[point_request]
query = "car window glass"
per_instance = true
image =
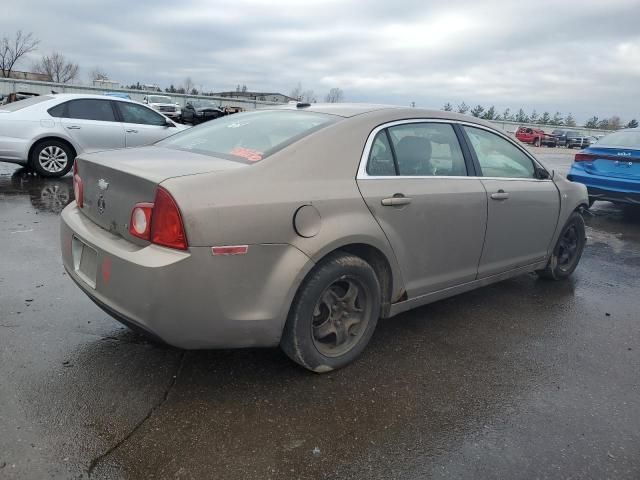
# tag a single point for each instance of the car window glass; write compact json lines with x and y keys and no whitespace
{"x":57,"y":111}
{"x":251,"y":136}
{"x":628,"y":139}
{"x":91,"y":109}
{"x":427,"y":149}
{"x":134,"y":113}
{"x":498,"y":157}
{"x":381,"y":158}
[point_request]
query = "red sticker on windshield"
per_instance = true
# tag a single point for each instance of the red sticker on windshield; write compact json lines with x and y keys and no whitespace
{"x":251,"y":155}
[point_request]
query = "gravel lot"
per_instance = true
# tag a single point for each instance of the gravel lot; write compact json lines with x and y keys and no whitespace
{"x":523,"y":379}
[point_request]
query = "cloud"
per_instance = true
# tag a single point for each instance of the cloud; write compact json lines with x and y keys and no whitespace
{"x":580,"y":57}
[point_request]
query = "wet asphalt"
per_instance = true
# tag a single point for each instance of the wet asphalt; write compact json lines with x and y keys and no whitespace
{"x":523,"y":379}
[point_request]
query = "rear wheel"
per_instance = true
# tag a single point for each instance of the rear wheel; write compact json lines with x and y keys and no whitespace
{"x":51,"y":158}
{"x":333,"y":315}
{"x":568,"y":250}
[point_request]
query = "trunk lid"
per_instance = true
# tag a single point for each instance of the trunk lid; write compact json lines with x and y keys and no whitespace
{"x":114,"y":181}
{"x":614,"y":162}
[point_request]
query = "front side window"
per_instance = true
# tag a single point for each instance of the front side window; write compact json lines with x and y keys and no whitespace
{"x":427,"y":149}
{"x":498,"y":157}
{"x":135,"y":113}
{"x":91,"y":109}
{"x":249,"y":136}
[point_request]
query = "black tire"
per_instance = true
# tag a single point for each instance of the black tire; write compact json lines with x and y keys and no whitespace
{"x":562,"y":264}
{"x":310,"y":317}
{"x":63,"y":153}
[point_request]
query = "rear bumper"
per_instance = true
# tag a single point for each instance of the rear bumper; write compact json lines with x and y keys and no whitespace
{"x":613,"y":189}
{"x":187,"y":299}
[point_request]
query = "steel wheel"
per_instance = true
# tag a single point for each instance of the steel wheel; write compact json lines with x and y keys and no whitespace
{"x":53,"y":159}
{"x":340,"y":317}
{"x":567,"y":248}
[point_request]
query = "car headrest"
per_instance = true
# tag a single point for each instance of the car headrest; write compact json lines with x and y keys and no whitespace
{"x":414,"y":155}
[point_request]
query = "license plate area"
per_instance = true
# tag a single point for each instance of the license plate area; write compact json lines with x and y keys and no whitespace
{"x":85,"y":261}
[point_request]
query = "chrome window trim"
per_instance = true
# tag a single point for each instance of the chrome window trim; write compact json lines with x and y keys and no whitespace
{"x":364,"y":159}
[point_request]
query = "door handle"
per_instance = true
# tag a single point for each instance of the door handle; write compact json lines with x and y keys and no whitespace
{"x":397,"y":200}
{"x":131,"y":131}
{"x":73,"y":127}
{"x":500,"y":195}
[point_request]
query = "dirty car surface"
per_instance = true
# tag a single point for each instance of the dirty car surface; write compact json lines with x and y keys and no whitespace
{"x":300,"y":226}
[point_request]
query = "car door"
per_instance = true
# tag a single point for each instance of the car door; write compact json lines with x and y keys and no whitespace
{"x":414,"y":179}
{"x":142,"y":125}
{"x":523,"y":203}
{"x":92,"y":124}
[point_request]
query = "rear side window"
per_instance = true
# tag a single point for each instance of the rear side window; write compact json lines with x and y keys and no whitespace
{"x":250,"y":136}
{"x":427,"y":149}
{"x":381,"y":157}
{"x":135,"y":113}
{"x":58,"y":110}
{"x":498,"y":157}
{"x":91,"y":109}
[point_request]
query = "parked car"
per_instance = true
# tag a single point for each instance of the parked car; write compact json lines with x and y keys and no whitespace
{"x":199,"y":111}
{"x":560,"y":136}
{"x":530,"y":135}
{"x":45,"y":133}
{"x":577,"y":139}
{"x":276,"y":227}
{"x":164,"y":105}
{"x":611,"y":168}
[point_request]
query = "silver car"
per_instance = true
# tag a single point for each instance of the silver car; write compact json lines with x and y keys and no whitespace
{"x":46,"y":132}
{"x":301,"y":226}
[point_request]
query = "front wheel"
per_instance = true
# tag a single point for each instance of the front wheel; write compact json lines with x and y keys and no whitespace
{"x":51,"y":158}
{"x":333,"y":315}
{"x":568,"y":250}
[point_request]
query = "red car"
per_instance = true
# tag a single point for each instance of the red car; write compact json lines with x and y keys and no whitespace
{"x":535,"y":136}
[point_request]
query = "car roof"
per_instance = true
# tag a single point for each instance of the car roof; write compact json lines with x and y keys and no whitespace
{"x":74,"y":96}
{"x":354,"y":109}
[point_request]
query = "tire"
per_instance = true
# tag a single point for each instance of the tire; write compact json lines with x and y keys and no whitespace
{"x":567,"y":251}
{"x":311,"y":334}
{"x":51,"y":158}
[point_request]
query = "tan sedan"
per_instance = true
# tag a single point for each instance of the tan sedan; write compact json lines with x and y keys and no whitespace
{"x":301,"y":226}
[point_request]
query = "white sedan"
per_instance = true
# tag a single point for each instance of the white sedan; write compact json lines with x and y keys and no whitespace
{"x":47,"y":132}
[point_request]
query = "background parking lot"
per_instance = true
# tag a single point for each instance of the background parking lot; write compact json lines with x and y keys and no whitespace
{"x":521,"y":379}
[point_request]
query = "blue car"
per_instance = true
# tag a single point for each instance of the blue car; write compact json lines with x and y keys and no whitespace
{"x":611,"y":168}
{"x":118,"y":95}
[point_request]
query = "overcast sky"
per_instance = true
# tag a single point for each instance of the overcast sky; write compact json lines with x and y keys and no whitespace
{"x":573,"y":56}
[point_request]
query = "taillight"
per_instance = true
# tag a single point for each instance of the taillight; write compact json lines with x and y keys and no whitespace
{"x":166,"y":222}
{"x":159,"y":222}
{"x":78,"y":190}
{"x":140,"y":223}
{"x":584,"y":157}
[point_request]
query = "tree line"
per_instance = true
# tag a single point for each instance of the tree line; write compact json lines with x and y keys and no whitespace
{"x":545,"y":118}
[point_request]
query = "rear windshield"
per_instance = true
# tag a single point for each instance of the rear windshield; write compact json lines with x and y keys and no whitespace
{"x":250,"y":136}
{"x":27,"y":102}
{"x":621,"y":139}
